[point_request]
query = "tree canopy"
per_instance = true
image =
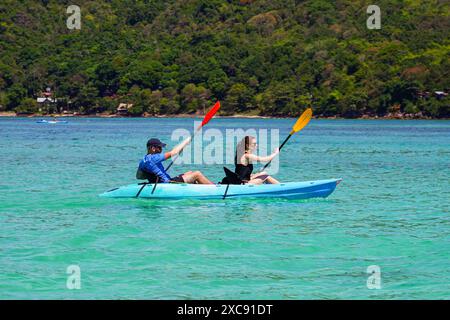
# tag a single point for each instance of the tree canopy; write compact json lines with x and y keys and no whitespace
{"x":266,"y":57}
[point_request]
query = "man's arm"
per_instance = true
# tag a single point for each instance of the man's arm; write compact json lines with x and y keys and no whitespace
{"x":177,"y":149}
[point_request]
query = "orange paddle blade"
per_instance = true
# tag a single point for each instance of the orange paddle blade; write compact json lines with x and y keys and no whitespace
{"x":302,"y":121}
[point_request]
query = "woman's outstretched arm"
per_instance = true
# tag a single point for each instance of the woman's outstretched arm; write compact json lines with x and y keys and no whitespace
{"x":255,"y":158}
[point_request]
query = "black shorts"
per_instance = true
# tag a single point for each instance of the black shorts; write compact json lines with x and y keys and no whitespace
{"x":177,"y":179}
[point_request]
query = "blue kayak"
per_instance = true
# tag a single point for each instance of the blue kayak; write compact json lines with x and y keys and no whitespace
{"x":288,"y":190}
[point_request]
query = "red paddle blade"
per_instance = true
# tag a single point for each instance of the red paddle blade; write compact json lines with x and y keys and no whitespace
{"x":211,"y":113}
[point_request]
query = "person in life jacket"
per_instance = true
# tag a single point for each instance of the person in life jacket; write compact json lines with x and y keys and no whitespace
{"x":151,"y":168}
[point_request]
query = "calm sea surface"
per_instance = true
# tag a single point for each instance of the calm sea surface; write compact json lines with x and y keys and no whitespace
{"x":391,"y":211}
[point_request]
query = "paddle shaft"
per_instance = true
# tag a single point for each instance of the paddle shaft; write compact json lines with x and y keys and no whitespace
{"x":207,"y":118}
{"x":176,"y":157}
{"x":282,"y":145}
{"x":226,"y":191}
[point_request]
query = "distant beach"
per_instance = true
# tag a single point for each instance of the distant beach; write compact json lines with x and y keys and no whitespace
{"x":392,"y":116}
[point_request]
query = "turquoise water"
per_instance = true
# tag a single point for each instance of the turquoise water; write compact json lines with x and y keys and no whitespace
{"x":391,"y":210}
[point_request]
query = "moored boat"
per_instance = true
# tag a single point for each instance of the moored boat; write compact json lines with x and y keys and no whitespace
{"x":52,"y":121}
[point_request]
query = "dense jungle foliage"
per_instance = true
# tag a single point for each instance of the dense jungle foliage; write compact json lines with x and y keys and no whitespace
{"x":266,"y":57}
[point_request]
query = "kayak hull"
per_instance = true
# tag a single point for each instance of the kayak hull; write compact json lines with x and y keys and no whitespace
{"x":288,"y":190}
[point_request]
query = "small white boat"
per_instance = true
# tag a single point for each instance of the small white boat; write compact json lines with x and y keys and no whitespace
{"x":52,"y":121}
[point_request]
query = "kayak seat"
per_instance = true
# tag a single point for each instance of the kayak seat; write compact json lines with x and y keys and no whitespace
{"x":231,"y":177}
{"x":142,"y":175}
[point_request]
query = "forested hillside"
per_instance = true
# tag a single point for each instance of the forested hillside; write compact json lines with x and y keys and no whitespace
{"x":267,"y":57}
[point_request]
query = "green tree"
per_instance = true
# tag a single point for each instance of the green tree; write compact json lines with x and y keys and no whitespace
{"x":3,"y":101}
{"x":27,"y":106}
{"x":15,"y":95}
{"x":154,"y":106}
{"x":239,"y":99}
{"x":194,"y":98}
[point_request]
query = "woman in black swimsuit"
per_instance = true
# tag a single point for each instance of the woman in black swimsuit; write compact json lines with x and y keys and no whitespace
{"x":244,"y":159}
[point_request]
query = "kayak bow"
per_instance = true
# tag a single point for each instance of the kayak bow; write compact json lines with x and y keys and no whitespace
{"x":288,"y":190}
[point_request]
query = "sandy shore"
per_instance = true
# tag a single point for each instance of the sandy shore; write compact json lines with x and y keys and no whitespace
{"x":104,"y":115}
{"x":7,"y":114}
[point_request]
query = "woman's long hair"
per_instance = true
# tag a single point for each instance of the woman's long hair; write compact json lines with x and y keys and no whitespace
{"x":242,"y":147}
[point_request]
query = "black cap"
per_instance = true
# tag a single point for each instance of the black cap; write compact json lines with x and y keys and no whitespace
{"x":155,"y":142}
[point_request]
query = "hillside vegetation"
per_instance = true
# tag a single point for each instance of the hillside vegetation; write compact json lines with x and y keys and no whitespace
{"x":267,"y":57}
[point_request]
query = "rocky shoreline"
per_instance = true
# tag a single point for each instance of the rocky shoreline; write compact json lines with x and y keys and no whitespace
{"x":389,"y":116}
